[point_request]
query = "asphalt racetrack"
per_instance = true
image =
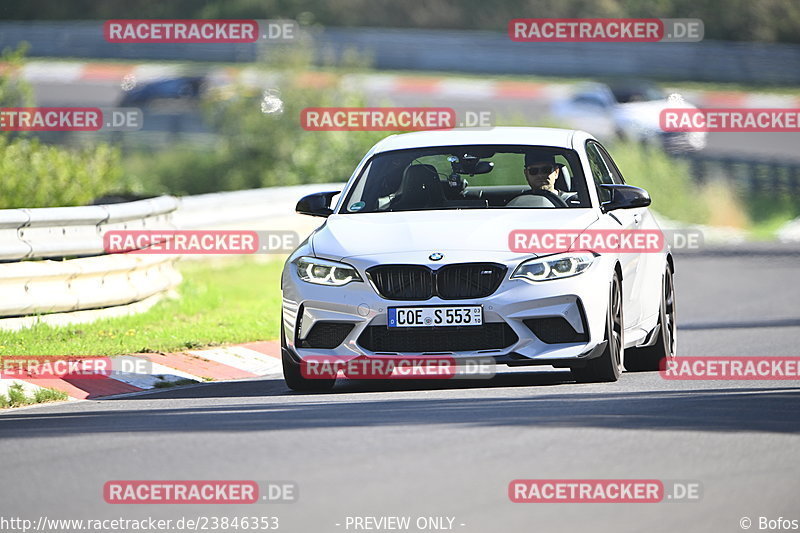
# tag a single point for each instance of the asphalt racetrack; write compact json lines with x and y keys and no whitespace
{"x":450,"y":450}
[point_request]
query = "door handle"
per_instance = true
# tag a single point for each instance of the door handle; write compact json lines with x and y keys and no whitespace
{"x":637,"y":218}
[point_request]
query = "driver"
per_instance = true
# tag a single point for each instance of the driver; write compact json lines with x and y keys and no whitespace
{"x":542,"y":171}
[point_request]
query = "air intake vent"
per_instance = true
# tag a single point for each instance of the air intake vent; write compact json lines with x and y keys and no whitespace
{"x":555,"y":330}
{"x":496,"y":335}
{"x":326,"y":335}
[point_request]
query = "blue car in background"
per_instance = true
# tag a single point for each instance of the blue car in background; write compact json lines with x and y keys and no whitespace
{"x":184,"y":88}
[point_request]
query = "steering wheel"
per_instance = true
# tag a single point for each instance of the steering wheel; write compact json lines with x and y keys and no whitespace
{"x":554,"y":199}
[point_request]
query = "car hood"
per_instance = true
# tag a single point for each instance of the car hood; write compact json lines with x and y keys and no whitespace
{"x":486,"y":230}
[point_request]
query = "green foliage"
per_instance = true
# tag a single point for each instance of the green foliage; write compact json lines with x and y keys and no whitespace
{"x":17,"y":396}
{"x":33,"y":174}
{"x":38,"y":175}
{"x":769,"y":211}
{"x":48,"y":395}
{"x":675,"y":195}
{"x":261,"y":139}
{"x":13,"y":91}
{"x":177,"y":383}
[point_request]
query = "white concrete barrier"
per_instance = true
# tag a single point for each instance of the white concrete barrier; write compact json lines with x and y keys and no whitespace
{"x":53,"y":265}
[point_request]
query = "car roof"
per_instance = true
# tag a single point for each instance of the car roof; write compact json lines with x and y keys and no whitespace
{"x":556,"y":137}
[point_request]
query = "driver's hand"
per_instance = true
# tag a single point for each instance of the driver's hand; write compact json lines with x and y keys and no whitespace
{"x":540,"y":181}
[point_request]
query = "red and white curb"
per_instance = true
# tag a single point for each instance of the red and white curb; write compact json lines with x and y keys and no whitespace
{"x":250,"y":360}
{"x":131,"y":74}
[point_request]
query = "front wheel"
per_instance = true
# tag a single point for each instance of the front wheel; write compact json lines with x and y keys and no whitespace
{"x":608,"y":366}
{"x":649,"y":358}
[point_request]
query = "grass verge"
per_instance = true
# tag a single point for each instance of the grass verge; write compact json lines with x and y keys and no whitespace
{"x":717,"y":202}
{"x":220,"y":303}
{"x":169,"y":384}
{"x":675,"y":195}
{"x":17,"y":397}
{"x":770,"y":211}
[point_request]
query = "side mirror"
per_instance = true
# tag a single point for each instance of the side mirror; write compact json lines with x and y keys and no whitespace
{"x":623,"y":197}
{"x":317,"y":204}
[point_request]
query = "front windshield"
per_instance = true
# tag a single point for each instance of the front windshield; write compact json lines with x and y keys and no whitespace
{"x":469,"y":177}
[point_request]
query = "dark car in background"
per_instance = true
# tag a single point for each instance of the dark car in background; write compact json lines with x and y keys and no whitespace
{"x":166,"y":90}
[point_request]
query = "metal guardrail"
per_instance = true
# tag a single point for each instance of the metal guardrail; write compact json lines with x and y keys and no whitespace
{"x":748,"y":173}
{"x":53,"y":262}
{"x":82,"y":276}
{"x":247,"y":207}
{"x":39,"y":287}
{"x":58,"y":232}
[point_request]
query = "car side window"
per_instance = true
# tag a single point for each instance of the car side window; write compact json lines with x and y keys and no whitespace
{"x":616,"y":175}
{"x":600,"y":172}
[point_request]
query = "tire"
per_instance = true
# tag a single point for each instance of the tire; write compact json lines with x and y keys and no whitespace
{"x":293,"y":375}
{"x":608,"y":366}
{"x":648,"y":358}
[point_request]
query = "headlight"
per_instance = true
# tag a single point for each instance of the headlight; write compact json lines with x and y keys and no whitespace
{"x":556,"y":266}
{"x":323,"y":272}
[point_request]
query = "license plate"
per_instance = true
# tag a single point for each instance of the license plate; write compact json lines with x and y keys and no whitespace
{"x":423,"y":317}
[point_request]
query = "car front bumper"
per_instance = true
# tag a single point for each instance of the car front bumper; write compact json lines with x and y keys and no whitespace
{"x":515,"y":331}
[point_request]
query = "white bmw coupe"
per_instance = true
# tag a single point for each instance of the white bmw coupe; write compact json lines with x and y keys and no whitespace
{"x":516,"y":244}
